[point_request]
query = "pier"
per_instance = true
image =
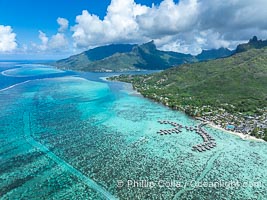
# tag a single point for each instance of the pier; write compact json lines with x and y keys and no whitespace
{"x":208,"y":141}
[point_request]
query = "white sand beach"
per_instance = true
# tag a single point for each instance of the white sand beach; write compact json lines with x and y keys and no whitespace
{"x":241,"y":135}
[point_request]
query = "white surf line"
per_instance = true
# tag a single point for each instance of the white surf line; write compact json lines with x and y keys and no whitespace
{"x":92,"y":184}
{"x":12,"y":86}
{"x":7,"y":88}
{"x":4,"y":72}
{"x":104,"y":78}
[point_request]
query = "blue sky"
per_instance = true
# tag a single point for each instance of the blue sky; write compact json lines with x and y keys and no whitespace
{"x":28,"y":16}
{"x":59,"y":28}
{"x":31,"y":15}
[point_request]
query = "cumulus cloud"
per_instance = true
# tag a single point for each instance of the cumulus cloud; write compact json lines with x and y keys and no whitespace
{"x":236,"y":14}
{"x":44,"y":39}
{"x":63,"y":24}
{"x":127,"y":21}
{"x":57,"y":42}
{"x":119,"y":25}
{"x":219,"y":23}
{"x":7,"y":39}
{"x":169,"y":18}
{"x":187,"y":26}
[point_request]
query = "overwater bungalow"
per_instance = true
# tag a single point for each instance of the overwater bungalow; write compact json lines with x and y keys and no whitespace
{"x":208,"y":141}
{"x":207,"y":147}
{"x":203,"y":148}
{"x":199,"y":149}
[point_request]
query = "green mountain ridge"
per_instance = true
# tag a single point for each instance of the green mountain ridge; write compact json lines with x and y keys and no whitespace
{"x":214,"y":54}
{"x":253,"y":43}
{"x":238,"y":80}
{"x":123,"y":57}
{"x":230,"y":90}
{"x":80,"y":61}
{"x":127,"y":57}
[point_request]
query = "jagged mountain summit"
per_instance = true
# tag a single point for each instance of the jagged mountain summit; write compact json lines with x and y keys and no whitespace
{"x":127,"y":57}
{"x":123,"y":57}
{"x":253,"y":43}
{"x":214,"y":54}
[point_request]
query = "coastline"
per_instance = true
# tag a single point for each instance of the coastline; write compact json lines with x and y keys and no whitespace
{"x":241,"y":135}
{"x":209,"y":123}
{"x":127,"y":86}
{"x":104,"y":78}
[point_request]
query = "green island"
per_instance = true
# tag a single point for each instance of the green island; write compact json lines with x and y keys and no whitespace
{"x":229,"y":92}
{"x":127,"y":57}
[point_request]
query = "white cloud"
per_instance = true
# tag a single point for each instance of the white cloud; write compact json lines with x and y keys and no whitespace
{"x":7,"y":39}
{"x":44,"y":39}
{"x":119,"y":25}
{"x":127,"y":21}
{"x":169,"y":18}
{"x":179,"y":44}
{"x":58,"y":42}
{"x":188,"y":26}
{"x":55,"y":42}
{"x":63,"y":23}
{"x":221,"y":24}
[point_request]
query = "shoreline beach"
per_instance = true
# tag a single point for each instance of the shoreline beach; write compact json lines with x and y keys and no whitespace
{"x":241,"y":135}
{"x":211,"y":124}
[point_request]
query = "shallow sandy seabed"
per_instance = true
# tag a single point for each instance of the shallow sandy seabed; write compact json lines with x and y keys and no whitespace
{"x":109,"y":135}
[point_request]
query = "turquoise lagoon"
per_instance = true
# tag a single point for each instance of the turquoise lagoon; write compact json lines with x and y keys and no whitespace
{"x":28,"y":70}
{"x":66,"y":135}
